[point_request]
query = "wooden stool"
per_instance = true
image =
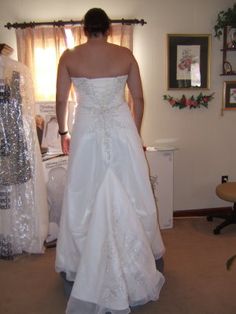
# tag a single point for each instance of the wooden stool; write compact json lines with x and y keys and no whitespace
{"x":227,"y":192}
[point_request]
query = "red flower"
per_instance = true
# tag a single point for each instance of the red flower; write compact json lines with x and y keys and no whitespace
{"x":172,"y":102}
{"x":191,"y":102}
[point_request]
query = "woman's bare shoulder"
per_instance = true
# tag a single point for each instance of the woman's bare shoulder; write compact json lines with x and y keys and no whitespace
{"x":65,"y":55}
{"x":68,"y":53}
{"x":120,"y":49}
{"x":122,"y":53}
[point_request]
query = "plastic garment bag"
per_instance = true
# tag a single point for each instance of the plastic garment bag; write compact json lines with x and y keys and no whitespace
{"x":23,"y":200}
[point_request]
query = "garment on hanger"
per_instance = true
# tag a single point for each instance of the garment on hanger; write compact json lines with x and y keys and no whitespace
{"x":15,"y":161}
{"x":23,"y":200}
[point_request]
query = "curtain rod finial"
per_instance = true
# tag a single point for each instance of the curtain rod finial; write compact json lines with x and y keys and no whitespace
{"x":8,"y":25}
{"x":142,"y":22}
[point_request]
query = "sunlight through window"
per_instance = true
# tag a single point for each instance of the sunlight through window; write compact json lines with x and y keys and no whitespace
{"x":45,"y":68}
{"x":69,"y":38}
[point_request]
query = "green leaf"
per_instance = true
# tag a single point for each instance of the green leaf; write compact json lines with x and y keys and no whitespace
{"x":224,"y":18}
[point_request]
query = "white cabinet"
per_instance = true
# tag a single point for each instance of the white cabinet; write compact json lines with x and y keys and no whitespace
{"x":161,"y":174}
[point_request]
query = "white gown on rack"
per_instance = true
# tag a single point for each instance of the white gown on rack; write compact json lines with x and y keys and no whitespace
{"x":109,"y":235}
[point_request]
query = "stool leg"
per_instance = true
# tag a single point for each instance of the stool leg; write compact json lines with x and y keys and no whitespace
{"x":231,"y":219}
{"x":222,"y":225}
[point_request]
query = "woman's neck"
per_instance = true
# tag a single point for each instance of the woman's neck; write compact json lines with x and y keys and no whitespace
{"x":99,"y":38}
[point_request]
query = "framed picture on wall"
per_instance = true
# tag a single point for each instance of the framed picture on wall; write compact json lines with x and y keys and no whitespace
{"x":229,"y":95}
{"x":188,"y":61}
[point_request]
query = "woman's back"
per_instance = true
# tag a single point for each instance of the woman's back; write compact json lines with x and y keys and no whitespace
{"x":97,"y":58}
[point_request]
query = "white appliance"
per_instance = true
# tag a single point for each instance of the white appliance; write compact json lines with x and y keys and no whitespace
{"x":161,"y":166}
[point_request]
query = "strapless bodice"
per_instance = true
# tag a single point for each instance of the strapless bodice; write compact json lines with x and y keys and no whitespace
{"x":99,"y":92}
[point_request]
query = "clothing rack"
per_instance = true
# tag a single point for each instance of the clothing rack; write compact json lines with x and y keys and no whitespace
{"x":71,"y":22}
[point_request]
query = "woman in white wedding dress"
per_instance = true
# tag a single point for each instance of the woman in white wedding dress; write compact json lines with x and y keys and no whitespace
{"x":109,"y":235}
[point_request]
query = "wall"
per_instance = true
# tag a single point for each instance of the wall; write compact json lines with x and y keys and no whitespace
{"x":205,"y":139}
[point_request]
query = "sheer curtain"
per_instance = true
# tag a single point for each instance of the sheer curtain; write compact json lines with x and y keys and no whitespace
{"x":40,"y":49}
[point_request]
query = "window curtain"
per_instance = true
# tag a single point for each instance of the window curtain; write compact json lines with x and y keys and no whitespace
{"x":40,"y":49}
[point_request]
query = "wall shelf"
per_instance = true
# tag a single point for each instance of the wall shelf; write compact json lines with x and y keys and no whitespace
{"x":228,"y":74}
{"x":227,"y":69}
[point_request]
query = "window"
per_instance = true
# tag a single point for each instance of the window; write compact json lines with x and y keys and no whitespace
{"x":40,"y":49}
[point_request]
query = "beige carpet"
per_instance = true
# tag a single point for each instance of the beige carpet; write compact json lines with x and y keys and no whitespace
{"x":197,"y":281}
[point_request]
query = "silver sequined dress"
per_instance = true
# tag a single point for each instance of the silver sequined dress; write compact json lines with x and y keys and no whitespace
{"x":23,"y":202}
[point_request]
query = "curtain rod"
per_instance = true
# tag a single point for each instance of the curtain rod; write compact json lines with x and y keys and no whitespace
{"x":71,"y":22}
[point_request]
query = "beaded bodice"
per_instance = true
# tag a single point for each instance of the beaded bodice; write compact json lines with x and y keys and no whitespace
{"x":99,"y":94}
{"x":101,"y":103}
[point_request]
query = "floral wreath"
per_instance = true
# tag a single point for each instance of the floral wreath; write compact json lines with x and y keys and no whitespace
{"x":192,"y":103}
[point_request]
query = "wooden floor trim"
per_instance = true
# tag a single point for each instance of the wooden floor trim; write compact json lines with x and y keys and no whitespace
{"x":202,"y":212}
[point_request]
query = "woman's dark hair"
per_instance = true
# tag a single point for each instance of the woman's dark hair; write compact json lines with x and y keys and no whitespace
{"x":96,"y":22}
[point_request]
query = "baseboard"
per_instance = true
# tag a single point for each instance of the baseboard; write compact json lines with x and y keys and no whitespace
{"x":202,"y":212}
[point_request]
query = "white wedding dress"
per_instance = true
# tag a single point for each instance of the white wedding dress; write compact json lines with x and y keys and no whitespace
{"x":109,"y":235}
